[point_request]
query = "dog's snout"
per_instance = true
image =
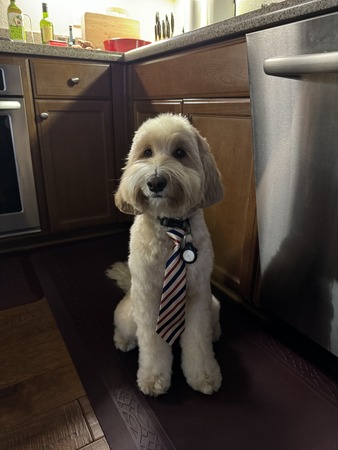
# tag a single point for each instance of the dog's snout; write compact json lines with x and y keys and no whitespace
{"x":156,"y":183}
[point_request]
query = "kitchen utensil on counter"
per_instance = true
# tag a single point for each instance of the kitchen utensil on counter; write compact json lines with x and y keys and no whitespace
{"x":30,"y":36}
{"x":164,"y":32}
{"x":167,"y":26}
{"x":164,"y":29}
{"x":57,"y":43}
{"x":123,"y":45}
{"x":158,"y":34}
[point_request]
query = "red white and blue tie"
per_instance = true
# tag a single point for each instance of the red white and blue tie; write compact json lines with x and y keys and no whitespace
{"x":171,"y":318}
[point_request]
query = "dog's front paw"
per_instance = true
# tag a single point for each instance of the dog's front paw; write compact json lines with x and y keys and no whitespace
{"x":206,"y":381}
{"x":153,"y":384}
{"x":123,"y":344}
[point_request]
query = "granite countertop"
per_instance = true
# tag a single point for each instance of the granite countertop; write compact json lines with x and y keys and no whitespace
{"x":270,"y":15}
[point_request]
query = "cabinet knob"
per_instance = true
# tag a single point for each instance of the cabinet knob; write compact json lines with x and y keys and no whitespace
{"x":75,"y":80}
{"x":44,"y":115}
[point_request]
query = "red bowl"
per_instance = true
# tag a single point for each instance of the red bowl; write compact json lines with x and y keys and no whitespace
{"x":122,"y":45}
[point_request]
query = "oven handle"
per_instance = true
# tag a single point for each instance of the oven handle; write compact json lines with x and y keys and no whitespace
{"x":8,"y":105}
{"x":302,"y":64}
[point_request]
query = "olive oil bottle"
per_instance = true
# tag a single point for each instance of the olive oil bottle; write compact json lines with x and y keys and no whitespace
{"x":46,"y":26}
{"x":15,"y":22}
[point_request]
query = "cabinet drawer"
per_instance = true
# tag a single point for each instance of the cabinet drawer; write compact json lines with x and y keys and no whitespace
{"x":56,"y":79}
{"x":219,"y":70}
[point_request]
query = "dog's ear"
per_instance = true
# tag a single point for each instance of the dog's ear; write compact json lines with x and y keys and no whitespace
{"x":122,"y":204}
{"x":213,"y":187}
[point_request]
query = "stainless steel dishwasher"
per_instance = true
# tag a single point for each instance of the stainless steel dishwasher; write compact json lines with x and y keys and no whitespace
{"x":293,"y":73}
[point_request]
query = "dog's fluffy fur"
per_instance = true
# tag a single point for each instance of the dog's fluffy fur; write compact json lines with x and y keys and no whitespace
{"x":169,"y":147}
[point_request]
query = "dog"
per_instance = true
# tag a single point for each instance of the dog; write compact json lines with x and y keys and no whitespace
{"x":169,"y":177}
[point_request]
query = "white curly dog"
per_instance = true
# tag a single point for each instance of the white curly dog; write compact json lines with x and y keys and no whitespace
{"x":170,"y":175}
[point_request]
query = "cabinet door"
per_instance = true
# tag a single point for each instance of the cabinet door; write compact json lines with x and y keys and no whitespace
{"x":143,"y":110}
{"x":226,"y":124}
{"x":209,"y":71}
{"x":77,"y":155}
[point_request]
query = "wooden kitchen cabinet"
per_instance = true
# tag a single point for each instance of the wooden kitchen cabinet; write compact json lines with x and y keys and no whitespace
{"x":75,"y":128}
{"x":219,"y":70}
{"x":77,"y":161}
{"x":226,"y":124}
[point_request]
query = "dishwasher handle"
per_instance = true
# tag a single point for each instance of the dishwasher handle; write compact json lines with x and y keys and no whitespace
{"x":302,"y":64}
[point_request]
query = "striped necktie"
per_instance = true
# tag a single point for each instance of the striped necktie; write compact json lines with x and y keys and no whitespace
{"x":170,"y":322}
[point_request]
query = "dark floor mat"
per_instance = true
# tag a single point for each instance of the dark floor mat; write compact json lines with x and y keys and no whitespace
{"x":270,"y":398}
{"x":18,"y":281}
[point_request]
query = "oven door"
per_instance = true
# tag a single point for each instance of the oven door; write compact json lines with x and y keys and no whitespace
{"x":18,"y":205}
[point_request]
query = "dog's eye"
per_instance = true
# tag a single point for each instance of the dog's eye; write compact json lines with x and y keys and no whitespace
{"x":179,"y":153}
{"x":148,"y":153}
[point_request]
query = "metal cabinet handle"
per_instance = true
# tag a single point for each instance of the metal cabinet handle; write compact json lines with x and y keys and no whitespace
{"x":75,"y":80}
{"x":302,"y":64}
{"x":44,"y":115}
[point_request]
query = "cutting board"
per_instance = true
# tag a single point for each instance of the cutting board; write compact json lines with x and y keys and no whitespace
{"x":98,"y":27}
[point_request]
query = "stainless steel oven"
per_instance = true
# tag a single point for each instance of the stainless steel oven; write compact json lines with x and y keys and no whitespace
{"x":18,"y":204}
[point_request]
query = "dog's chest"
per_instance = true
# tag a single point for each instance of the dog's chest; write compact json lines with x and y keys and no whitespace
{"x":150,"y":249}
{"x":151,"y":237}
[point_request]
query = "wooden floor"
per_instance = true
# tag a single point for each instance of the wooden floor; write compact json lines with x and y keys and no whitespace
{"x":42,"y":402}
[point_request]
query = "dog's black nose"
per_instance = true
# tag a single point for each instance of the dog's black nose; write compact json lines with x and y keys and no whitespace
{"x":156,"y":183}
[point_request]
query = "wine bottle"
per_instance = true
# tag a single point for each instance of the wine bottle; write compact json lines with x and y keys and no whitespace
{"x":46,"y":26}
{"x":15,"y":22}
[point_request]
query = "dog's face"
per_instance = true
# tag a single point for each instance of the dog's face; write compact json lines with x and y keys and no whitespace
{"x":170,"y":171}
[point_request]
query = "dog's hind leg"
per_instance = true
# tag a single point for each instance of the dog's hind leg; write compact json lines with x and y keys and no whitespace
{"x":125,"y":326}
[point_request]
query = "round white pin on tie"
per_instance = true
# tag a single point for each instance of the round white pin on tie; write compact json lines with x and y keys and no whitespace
{"x":189,"y":253}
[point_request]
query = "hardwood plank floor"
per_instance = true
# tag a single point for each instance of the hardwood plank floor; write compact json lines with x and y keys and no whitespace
{"x":42,"y":402}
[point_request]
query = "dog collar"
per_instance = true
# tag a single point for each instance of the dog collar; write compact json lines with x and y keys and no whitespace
{"x":184,"y":224}
{"x":188,"y":250}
